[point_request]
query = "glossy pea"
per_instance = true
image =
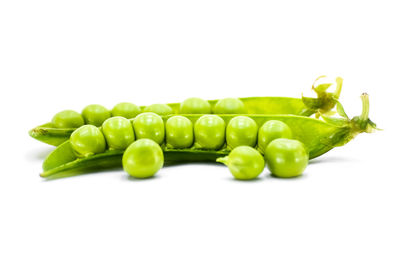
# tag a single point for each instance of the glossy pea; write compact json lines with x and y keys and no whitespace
{"x":143,"y":158}
{"x":179,"y":132}
{"x":68,"y":119}
{"x":209,"y":132}
{"x":229,"y":106}
{"x":195,"y":105}
{"x":286,"y":158}
{"x":149,"y":125}
{"x":118,"y":132}
{"x":95,"y":114}
{"x":126,"y":110}
{"x":241,"y":131}
{"x":160,"y":109}
{"x":244,"y":162}
{"x":88,"y":140}
{"x":271,"y":130}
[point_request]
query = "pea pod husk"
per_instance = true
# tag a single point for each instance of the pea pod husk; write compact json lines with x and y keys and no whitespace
{"x":318,"y":136}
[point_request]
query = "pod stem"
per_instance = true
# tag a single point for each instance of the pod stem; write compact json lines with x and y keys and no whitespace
{"x":338,"y":90}
{"x":365,"y":108}
{"x":223,"y":160}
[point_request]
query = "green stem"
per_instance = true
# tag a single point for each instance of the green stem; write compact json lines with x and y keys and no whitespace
{"x":365,"y":108}
{"x":339,"y":84}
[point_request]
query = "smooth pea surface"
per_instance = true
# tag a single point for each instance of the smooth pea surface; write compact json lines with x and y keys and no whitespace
{"x":88,"y":140}
{"x":286,"y":158}
{"x":118,"y":132}
{"x":209,"y":132}
{"x":149,"y":125}
{"x":195,"y":105}
{"x":272,"y":130}
{"x":179,"y":132}
{"x":241,"y":131}
{"x":68,"y":119}
{"x":229,"y":106}
{"x":95,"y":114}
{"x":143,"y":158}
{"x":126,"y":110}
{"x":244,"y":162}
{"x":160,"y":109}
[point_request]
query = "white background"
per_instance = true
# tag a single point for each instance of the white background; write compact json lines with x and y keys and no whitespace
{"x":55,"y":55}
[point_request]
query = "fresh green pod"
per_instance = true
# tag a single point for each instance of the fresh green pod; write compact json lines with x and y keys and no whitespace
{"x":271,"y":130}
{"x":179,"y":132}
{"x":88,"y":140}
{"x":305,"y":106}
{"x":68,"y":119}
{"x":229,"y":106}
{"x":95,"y":114}
{"x":126,"y":110}
{"x":209,"y":132}
{"x":195,"y":105}
{"x":160,"y":109}
{"x":149,"y":125}
{"x":318,"y":137}
{"x":118,"y":132}
{"x":244,"y":162}
{"x":241,"y":131}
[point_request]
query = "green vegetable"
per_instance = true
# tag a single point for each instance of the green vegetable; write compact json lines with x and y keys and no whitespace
{"x":241,"y":131}
{"x":88,"y":140}
{"x":244,"y":162}
{"x":149,"y":125}
{"x":143,"y":158}
{"x":271,"y":130}
{"x":68,"y":119}
{"x":209,"y":132}
{"x":286,"y":158}
{"x":179,"y":132}
{"x":126,"y":110}
{"x":195,"y":105}
{"x":118,"y":132}
{"x":229,"y":106}
{"x":160,"y":109}
{"x":95,"y":114}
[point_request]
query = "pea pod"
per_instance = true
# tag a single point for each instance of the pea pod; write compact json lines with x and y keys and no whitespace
{"x":305,"y":106}
{"x":318,"y":136}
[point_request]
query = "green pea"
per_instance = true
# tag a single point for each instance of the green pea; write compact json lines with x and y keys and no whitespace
{"x":241,"y":131}
{"x":209,"y":132}
{"x":87,"y":140}
{"x":149,"y":125}
{"x":68,"y":119}
{"x":118,"y":132}
{"x":95,"y":114}
{"x":126,"y":110}
{"x":160,"y":109}
{"x":244,"y":162}
{"x":179,"y":132}
{"x":229,"y":106}
{"x":286,"y":158}
{"x":195,"y":105}
{"x":143,"y":158}
{"x":271,"y":130}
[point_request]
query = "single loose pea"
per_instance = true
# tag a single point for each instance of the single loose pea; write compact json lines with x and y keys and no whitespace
{"x":179,"y":132}
{"x":195,"y":105}
{"x":271,"y":130}
{"x":241,"y":131}
{"x":209,"y":132}
{"x":126,"y":110}
{"x":88,"y":140}
{"x":143,"y":158}
{"x":160,"y":109}
{"x":118,"y":132}
{"x":244,"y":162}
{"x":68,"y":119}
{"x":149,"y":125}
{"x":286,"y":158}
{"x":95,"y":114}
{"x":229,"y":106}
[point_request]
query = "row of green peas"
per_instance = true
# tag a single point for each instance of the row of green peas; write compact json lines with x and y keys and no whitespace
{"x":143,"y":158}
{"x":96,"y":114}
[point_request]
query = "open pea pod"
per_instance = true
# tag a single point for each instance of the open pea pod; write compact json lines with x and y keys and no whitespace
{"x":318,"y":136}
{"x":305,"y":106}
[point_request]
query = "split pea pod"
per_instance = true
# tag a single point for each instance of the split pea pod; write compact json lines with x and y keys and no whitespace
{"x":318,"y":136}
